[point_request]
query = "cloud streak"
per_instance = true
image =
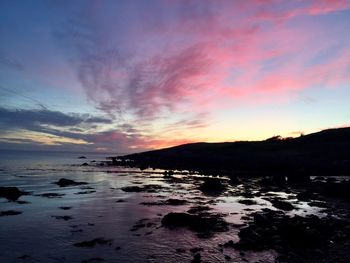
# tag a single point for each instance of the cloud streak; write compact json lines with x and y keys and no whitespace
{"x":177,"y":59}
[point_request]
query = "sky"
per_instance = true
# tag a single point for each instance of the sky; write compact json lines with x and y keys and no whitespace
{"x":127,"y":76}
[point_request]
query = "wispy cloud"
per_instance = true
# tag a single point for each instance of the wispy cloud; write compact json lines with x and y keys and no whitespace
{"x":177,"y":59}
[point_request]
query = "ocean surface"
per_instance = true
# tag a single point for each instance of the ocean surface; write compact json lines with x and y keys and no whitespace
{"x":101,"y":209}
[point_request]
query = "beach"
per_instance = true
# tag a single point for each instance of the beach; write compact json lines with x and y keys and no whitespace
{"x":116,"y":214}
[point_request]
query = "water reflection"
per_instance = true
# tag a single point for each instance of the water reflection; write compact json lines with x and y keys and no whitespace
{"x":46,"y":233}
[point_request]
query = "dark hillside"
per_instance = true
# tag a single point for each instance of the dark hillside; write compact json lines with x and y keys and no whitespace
{"x":322,"y":153}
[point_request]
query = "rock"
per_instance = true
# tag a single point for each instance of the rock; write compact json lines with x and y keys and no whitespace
{"x":94,"y":242}
{"x":291,"y":236}
{"x":10,"y":213}
{"x":51,"y":195}
{"x":84,"y":164}
{"x":65,"y":218}
{"x":91,"y":260}
{"x":25,"y":256}
{"x":82,"y":157}
{"x":63,"y":182}
{"x":212,"y":186}
{"x":172,"y":202}
{"x":65,"y":207}
{"x":21,"y":202}
{"x":197,"y":258}
{"x":247,"y":202}
{"x":11,"y":193}
{"x":198,"y":209}
{"x":228,"y":258}
{"x":196,"y":249}
{"x":206,"y":224}
{"x":135,"y":189}
{"x":175,"y":202}
{"x":150,"y":188}
{"x":283,"y":205}
{"x":261,"y":220}
{"x":85,"y":192}
{"x":229,"y":244}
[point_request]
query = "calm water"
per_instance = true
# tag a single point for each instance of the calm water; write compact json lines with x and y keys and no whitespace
{"x":43,"y":238}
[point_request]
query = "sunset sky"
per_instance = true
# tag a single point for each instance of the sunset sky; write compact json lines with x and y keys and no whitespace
{"x":125,"y":76}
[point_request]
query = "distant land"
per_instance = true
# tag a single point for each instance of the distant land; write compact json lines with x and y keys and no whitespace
{"x":322,"y":153}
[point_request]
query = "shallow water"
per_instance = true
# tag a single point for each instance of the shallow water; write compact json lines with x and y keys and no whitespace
{"x":43,"y":238}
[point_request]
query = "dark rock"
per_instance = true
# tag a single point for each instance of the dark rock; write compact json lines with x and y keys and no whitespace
{"x":229,"y":244}
{"x":292,"y":237}
{"x":175,"y":202}
{"x":196,"y":249}
{"x":227,"y":257}
{"x":65,"y":207}
{"x":261,"y":219}
{"x":85,"y":164}
{"x":51,"y":195}
{"x":85,"y":192}
{"x":180,"y":250}
{"x":172,"y":202}
{"x":11,"y":193}
{"x":283,"y":205}
{"x":91,"y":260}
{"x":247,"y":202}
{"x":318,"y":204}
{"x":206,"y":224}
{"x":120,"y":201}
{"x":65,"y":218}
{"x":82,"y":157}
{"x":146,"y":188}
{"x":10,"y":213}
{"x":306,"y":196}
{"x":25,"y":256}
{"x":212,"y":186}
{"x":63,"y":182}
{"x":94,"y":242}
{"x":198,"y":209}
{"x":21,"y":202}
{"x":135,"y":189}
{"x":197,"y":258}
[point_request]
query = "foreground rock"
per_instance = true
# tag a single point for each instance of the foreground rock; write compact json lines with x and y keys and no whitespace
{"x":150,"y":188}
{"x":11,"y":193}
{"x":204,"y":224}
{"x":10,"y":213}
{"x":297,"y":239}
{"x":170,"y":202}
{"x":51,"y":195}
{"x":212,"y":186}
{"x":94,"y":242}
{"x":63,"y":182}
{"x":283,"y":205}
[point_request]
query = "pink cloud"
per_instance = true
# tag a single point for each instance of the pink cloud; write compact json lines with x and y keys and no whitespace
{"x":201,"y":56}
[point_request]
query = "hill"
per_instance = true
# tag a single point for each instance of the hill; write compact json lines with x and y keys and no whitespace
{"x":323,"y":153}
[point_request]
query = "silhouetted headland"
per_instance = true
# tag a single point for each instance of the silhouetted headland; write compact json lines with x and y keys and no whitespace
{"x":324,"y":153}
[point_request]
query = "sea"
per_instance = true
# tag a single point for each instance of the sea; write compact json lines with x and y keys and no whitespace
{"x":50,"y":227}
